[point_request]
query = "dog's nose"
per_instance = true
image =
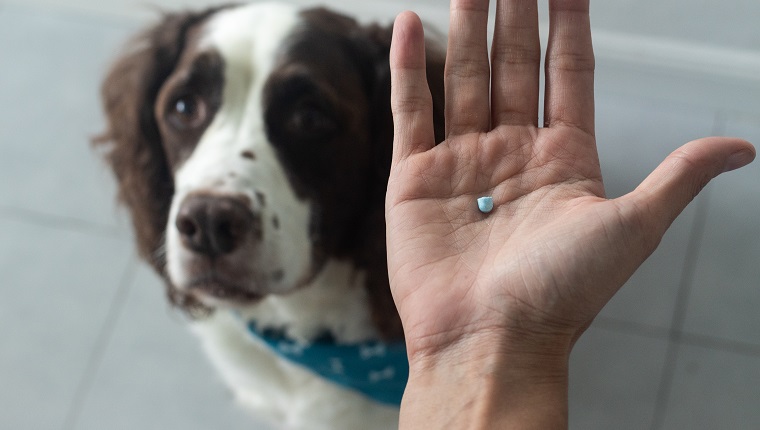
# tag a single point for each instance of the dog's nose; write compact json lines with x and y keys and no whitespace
{"x":215,"y":225}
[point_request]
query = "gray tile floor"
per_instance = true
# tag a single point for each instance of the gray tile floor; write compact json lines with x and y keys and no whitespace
{"x":87,"y":341}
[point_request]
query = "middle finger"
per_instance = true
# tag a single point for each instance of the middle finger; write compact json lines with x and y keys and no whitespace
{"x":516,"y":56}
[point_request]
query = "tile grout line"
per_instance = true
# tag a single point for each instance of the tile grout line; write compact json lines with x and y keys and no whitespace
{"x":631,"y":328}
{"x":747,"y":349}
{"x":118,"y":303}
{"x":717,"y":343}
{"x":676,"y":333}
{"x":679,"y":316}
{"x":58,"y":222}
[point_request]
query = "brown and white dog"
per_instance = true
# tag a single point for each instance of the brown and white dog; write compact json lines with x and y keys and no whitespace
{"x":251,"y":144}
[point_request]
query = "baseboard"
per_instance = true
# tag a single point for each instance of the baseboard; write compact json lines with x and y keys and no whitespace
{"x":718,"y":77}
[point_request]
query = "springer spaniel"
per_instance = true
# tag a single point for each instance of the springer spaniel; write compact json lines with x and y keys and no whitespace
{"x":251,"y":145}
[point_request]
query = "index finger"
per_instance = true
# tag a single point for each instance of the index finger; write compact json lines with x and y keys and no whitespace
{"x":570,"y":66}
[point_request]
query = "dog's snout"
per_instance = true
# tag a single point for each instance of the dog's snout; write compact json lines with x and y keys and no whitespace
{"x":214,"y":225}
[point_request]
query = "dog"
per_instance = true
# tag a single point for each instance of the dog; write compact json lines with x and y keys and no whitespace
{"x":251,"y":145}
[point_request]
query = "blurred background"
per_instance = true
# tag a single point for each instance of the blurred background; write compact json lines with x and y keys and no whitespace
{"x":87,"y":340}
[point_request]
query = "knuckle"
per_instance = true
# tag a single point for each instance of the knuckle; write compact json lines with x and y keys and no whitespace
{"x":571,"y":62}
{"x":697,"y":172}
{"x":469,"y":6}
{"x":516,"y":54}
{"x":411,"y":103}
{"x":467,"y":69}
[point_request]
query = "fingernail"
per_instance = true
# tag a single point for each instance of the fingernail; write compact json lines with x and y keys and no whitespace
{"x":738,"y":159}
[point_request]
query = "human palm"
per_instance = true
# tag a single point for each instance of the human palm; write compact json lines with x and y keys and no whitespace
{"x":554,"y":250}
{"x":464,"y":271}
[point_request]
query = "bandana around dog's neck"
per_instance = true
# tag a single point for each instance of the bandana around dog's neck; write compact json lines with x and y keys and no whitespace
{"x":376,"y":369}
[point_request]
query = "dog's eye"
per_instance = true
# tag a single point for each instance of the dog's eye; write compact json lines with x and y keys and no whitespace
{"x":187,"y":112}
{"x":310,"y":122}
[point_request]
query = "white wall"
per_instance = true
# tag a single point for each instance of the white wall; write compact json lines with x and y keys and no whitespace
{"x":725,"y":23}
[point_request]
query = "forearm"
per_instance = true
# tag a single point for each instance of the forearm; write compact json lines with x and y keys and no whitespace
{"x":486,"y":391}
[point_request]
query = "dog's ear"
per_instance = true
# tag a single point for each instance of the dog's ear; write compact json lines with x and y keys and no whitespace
{"x":375,"y":258}
{"x":132,"y":142}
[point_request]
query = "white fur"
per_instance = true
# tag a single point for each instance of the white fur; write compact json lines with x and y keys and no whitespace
{"x":291,"y":397}
{"x":335,"y":301}
{"x":248,"y":39}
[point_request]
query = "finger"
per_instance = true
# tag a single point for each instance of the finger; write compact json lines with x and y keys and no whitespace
{"x":516,"y":64}
{"x":467,"y":73}
{"x":667,"y":191}
{"x":570,"y":66}
{"x":411,"y":102}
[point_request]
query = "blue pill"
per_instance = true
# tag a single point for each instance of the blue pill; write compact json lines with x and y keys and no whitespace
{"x":485,"y":204}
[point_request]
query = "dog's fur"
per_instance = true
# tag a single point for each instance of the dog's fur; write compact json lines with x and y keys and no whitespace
{"x":251,"y":145}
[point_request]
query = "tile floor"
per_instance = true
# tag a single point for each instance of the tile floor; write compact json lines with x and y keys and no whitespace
{"x":87,"y":341}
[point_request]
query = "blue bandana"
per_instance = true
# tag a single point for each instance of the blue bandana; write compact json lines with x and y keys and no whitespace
{"x":376,"y":369}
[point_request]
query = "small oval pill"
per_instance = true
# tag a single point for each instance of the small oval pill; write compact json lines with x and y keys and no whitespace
{"x":485,"y":204}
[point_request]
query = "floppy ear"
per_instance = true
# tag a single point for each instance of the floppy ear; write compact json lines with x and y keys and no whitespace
{"x":374,"y":250}
{"x":132,"y":142}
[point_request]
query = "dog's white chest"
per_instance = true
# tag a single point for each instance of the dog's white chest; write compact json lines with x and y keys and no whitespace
{"x":280,"y":391}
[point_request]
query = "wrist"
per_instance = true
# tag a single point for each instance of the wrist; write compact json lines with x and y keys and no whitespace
{"x":488,"y":383}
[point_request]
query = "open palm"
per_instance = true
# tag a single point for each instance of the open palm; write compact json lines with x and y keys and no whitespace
{"x":554,"y":250}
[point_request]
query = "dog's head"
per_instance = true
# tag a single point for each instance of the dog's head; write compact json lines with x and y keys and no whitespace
{"x":252,"y":145}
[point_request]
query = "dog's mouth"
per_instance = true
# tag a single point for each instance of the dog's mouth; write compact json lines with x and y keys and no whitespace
{"x":212,"y":286}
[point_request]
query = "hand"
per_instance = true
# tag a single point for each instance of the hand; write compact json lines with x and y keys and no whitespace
{"x":529,"y":277}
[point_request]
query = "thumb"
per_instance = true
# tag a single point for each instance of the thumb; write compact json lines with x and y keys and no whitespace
{"x":667,"y":191}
